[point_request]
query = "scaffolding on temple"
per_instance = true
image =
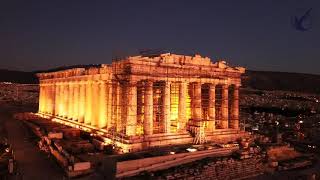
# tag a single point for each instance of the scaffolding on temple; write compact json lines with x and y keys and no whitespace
{"x":148,"y":101}
{"x":162,"y":107}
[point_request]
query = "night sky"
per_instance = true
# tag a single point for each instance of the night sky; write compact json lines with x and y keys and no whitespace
{"x":259,"y":35}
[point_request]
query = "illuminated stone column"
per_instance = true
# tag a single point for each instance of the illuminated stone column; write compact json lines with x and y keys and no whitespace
{"x":88,"y":110}
{"x":79,"y":98}
{"x":75,"y":101}
{"x":95,"y":99}
{"x":49,"y":100}
{"x":212,"y":108}
{"x":43,"y":102}
{"x":166,"y":107}
{"x":39,"y":101}
{"x":196,"y":101}
{"x":235,"y":108}
{"x":102,"y":105}
{"x":70,"y":100}
{"x":50,"y":93}
{"x":48,"y":97}
{"x":131,"y":109}
{"x":40,"y":97}
{"x":182,"y":106}
{"x":109,"y":105}
{"x":45,"y":98}
{"x":57,"y":100}
{"x":61,"y":99}
{"x":148,"y":109}
{"x":53,"y":98}
{"x":115,"y":105}
{"x":224,"y":107}
{"x":82,"y":101}
{"x":66,"y":100}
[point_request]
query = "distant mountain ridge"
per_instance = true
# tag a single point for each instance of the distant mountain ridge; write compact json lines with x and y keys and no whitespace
{"x":263,"y":80}
{"x":286,"y":81}
{"x":18,"y":77}
{"x":24,"y":77}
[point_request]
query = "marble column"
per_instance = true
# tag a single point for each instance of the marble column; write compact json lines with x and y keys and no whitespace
{"x":88,"y":112}
{"x":57,"y":101}
{"x":109,"y":105}
{"x":182,"y":106}
{"x":63,"y":107}
{"x":82,"y":101}
{"x":61,"y":100}
{"x":197,"y":101}
{"x":94,"y":101}
{"x":53,"y":99}
{"x":212,"y":108}
{"x":50,"y":107}
{"x":48,"y":97}
{"x":40,"y":98}
{"x":66,"y":100}
{"x":116,"y":106}
{"x":148,"y":109}
{"x":166,"y":107}
{"x":235,"y":108}
{"x":45,"y":98}
{"x":102,"y":105}
{"x":75,"y":101}
{"x":131,"y":109}
{"x":70,"y":100}
{"x":224,"y":107}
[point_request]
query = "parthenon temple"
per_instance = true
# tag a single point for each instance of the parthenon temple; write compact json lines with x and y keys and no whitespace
{"x":147,"y":101}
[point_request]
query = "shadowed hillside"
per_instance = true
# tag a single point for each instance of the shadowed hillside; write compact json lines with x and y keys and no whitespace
{"x":30,"y":77}
{"x":267,"y":80}
{"x":18,"y":77}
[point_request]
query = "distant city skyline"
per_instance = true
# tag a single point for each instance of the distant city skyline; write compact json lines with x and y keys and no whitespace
{"x":259,"y":35}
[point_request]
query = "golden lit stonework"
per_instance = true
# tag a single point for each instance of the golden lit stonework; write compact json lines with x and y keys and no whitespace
{"x":147,"y":101}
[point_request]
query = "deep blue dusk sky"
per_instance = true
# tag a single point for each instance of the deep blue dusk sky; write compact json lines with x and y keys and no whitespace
{"x":255,"y":34}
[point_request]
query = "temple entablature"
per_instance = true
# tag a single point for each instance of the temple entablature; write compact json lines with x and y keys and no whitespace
{"x":147,"y":101}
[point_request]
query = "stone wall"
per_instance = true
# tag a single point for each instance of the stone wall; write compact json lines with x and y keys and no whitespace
{"x":212,"y":168}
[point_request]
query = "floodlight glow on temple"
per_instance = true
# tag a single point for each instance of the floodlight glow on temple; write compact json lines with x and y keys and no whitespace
{"x":147,"y":101}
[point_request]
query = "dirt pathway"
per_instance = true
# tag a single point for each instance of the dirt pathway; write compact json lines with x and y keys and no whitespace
{"x":32,"y":163}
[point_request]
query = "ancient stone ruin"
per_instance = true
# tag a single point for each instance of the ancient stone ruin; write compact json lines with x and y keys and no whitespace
{"x":147,"y":101}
